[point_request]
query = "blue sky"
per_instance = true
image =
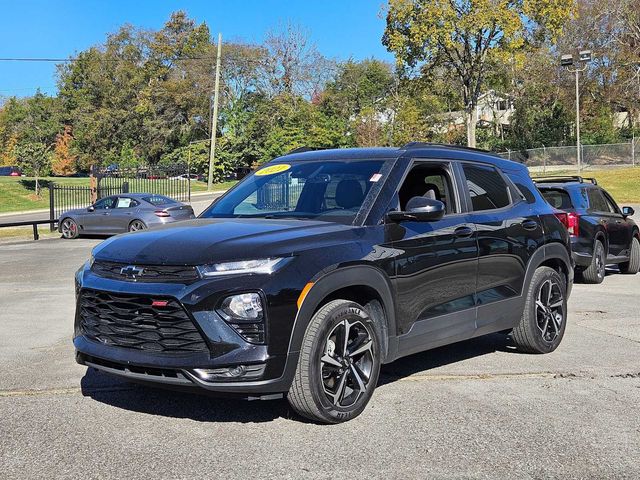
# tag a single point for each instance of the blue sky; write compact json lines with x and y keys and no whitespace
{"x":340,"y":29}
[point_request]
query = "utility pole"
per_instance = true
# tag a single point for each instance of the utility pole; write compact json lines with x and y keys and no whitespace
{"x":578,"y":152}
{"x":584,"y":57}
{"x":214,"y":119}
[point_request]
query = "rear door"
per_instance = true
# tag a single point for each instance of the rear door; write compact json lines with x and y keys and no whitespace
{"x":508,"y":231}
{"x":121,"y":215}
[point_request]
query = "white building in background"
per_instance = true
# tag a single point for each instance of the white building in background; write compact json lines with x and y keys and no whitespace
{"x":494,"y":110}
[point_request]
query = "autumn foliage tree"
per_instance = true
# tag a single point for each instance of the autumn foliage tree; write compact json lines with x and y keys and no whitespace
{"x":63,"y":162}
{"x":466,"y":36}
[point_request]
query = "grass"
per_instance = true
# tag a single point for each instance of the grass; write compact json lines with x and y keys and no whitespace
{"x":26,"y":233}
{"x":622,"y":183}
{"x":18,"y":193}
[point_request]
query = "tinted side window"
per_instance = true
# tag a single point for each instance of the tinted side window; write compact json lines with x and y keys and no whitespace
{"x":487,"y":188}
{"x":105,"y":203}
{"x":597,"y":201}
{"x":611,"y":204}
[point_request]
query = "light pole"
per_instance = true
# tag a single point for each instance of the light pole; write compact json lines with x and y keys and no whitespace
{"x":567,"y":61}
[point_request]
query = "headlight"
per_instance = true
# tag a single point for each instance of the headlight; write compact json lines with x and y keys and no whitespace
{"x":263,"y":266}
{"x":244,"y":307}
{"x":91,"y":260}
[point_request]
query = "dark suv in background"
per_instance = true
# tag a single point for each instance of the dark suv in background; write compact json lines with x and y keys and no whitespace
{"x":601,"y":232}
{"x":322,"y":265}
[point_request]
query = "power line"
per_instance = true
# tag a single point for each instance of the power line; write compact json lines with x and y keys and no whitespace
{"x":67,"y":60}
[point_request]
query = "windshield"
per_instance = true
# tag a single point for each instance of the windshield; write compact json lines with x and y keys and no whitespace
{"x":324,"y":190}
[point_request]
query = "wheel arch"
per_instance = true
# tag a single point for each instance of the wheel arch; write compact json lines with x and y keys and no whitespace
{"x":602,"y":236}
{"x":553,"y":255}
{"x":359,"y":283}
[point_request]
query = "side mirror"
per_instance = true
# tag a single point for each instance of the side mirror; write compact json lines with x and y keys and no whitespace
{"x":90,"y":208}
{"x":628,"y":211}
{"x":419,"y":209}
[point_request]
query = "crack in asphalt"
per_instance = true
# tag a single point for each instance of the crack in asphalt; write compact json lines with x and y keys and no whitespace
{"x":589,"y":327}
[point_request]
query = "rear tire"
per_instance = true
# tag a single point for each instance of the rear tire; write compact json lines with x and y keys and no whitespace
{"x":137,"y":225}
{"x":544,"y":318}
{"x":595,"y":272}
{"x":69,"y":229}
{"x":336,"y":376}
{"x":633,"y":265}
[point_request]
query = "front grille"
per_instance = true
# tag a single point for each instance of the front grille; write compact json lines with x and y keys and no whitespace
{"x":149,"y":273}
{"x":130,"y":321}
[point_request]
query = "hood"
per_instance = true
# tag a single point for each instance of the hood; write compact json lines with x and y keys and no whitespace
{"x":203,"y":241}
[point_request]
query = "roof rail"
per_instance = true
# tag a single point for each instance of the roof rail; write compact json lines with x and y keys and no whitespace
{"x":303,"y":149}
{"x":412,"y":145}
{"x":564,"y":178}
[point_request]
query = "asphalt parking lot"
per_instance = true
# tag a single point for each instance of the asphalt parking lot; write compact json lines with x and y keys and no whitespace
{"x":475,"y":409}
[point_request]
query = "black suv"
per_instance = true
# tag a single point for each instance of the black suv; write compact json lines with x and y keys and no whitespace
{"x":601,"y":232}
{"x":321,"y":266}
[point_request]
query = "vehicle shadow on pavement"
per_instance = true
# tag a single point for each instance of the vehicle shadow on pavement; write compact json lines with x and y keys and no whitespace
{"x":193,"y":405}
{"x":438,"y":357}
{"x":197,"y":406}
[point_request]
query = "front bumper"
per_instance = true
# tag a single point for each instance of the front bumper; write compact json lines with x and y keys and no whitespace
{"x":274,"y":365}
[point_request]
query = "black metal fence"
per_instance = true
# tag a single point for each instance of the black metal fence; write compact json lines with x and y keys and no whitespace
{"x":170,"y":181}
{"x":67,"y":197}
{"x":280,"y":194}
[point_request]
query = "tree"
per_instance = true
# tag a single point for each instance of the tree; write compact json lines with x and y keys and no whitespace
{"x":63,"y":162}
{"x":35,"y":160}
{"x":8,"y":153}
{"x":466,"y":36}
{"x":293,"y":64}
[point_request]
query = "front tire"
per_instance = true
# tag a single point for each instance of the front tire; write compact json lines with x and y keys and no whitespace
{"x":544,"y":318}
{"x":69,"y":229}
{"x":595,"y":272}
{"x":633,"y":265}
{"x":339,"y":364}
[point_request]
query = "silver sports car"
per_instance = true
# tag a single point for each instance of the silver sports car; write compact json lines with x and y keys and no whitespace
{"x":123,"y":213}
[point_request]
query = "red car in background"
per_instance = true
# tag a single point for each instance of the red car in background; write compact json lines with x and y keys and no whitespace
{"x":10,"y":172}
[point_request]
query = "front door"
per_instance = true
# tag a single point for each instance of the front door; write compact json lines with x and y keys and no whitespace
{"x":435,"y":274}
{"x":97,"y":221}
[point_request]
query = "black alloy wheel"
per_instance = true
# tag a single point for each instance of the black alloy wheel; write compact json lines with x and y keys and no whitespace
{"x":596,"y":271}
{"x":544,"y":318}
{"x":339,"y":363}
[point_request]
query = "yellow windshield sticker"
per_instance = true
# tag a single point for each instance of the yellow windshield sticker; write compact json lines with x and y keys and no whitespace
{"x":281,"y":167}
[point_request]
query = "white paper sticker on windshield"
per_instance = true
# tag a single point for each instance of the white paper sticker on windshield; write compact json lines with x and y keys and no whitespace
{"x":375,"y":177}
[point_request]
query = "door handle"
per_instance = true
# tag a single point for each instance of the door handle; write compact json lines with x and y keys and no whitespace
{"x":462,"y":232}
{"x":529,"y":225}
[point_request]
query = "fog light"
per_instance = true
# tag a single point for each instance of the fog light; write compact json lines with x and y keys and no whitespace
{"x":244,"y":307}
{"x":238,"y":372}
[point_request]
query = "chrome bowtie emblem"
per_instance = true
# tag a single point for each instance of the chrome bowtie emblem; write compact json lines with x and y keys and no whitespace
{"x":131,"y":271}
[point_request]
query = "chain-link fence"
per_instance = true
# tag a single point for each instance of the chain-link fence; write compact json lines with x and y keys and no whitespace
{"x":566,"y":158}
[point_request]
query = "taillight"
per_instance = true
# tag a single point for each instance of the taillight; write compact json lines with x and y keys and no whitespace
{"x":161,"y":213}
{"x":571,"y":221}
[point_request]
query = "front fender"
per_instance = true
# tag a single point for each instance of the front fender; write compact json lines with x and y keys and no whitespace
{"x":337,"y":279}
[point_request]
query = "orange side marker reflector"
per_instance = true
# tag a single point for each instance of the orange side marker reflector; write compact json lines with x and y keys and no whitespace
{"x":303,"y":294}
